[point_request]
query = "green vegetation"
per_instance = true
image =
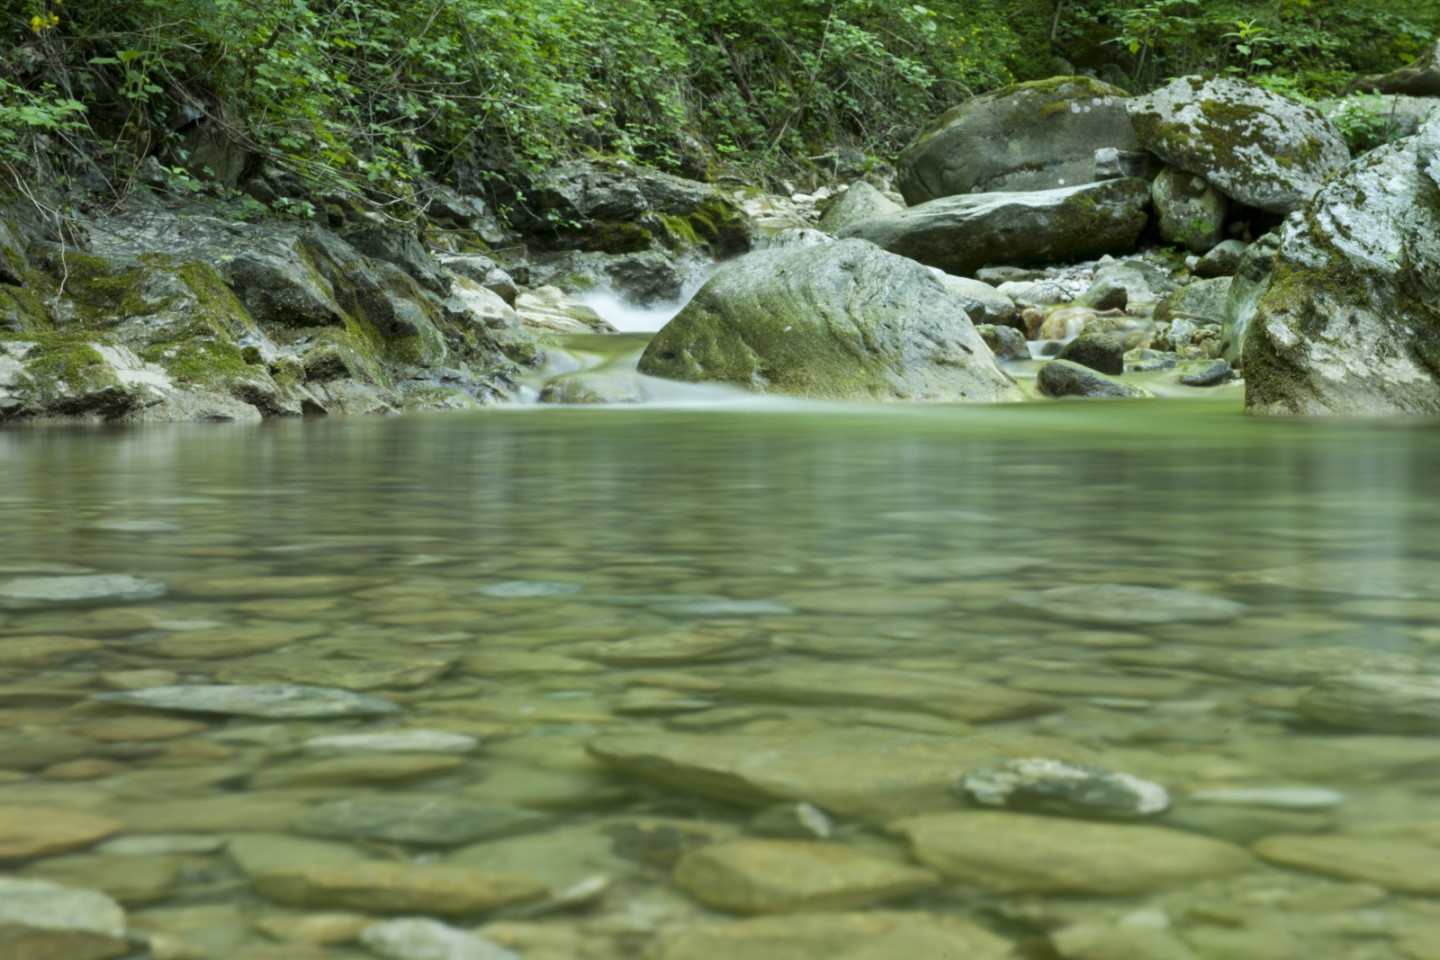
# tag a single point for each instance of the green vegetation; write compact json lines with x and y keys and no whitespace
{"x":368,"y":96}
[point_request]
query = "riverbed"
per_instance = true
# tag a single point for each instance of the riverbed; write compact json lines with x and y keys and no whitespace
{"x":632,"y":635}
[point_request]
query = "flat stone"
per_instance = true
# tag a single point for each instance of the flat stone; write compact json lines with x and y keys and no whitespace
{"x":24,"y":593}
{"x":861,"y":773}
{"x":212,"y":814}
{"x":1306,"y":664}
{"x":865,"y":686}
{"x":561,"y":858}
{"x":46,"y":831}
{"x":1070,"y":789}
{"x":256,"y":853}
{"x":222,"y":643}
{"x":1404,"y":866}
{"x":43,"y":651}
{"x":93,"y":768}
{"x":50,"y":906}
{"x":390,"y":741}
{"x":38,"y":749}
{"x":332,"y":927}
{"x":1245,"y":825}
{"x":1015,"y":853}
{"x":121,"y":729}
{"x":698,"y":645}
{"x":527,"y":589}
{"x":873,"y":935}
{"x":352,"y":771}
{"x":418,"y":938}
{"x":866,"y":603}
{"x":182,"y":843}
{"x":1395,"y":579}
{"x":340,"y":672}
{"x":417,"y":818}
{"x":283,"y":701}
{"x":36,"y":943}
{"x":1376,"y":702}
{"x":387,"y":887}
{"x":1084,"y":941}
{"x":1126,"y":605}
{"x":137,"y":679}
{"x":235,"y":588}
{"x":130,"y":880}
{"x":1103,"y":685}
{"x":1279,"y":798}
{"x":791,"y":876}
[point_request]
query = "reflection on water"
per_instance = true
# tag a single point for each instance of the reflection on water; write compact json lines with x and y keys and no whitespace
{"x":656,"y":671}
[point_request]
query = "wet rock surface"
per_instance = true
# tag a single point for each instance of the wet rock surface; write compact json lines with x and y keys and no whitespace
{"x":1052,"y":786}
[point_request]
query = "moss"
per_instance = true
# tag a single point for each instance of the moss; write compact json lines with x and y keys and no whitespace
{"x":1069,"y":87}
{"x":64,"y":358}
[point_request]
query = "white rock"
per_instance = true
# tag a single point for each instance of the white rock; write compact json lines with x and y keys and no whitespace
{"x":1284,"y":798}
{"x":390,"y":741}
{"x":279,"y":700}
{"x":418,"y":938}
{"x":49,"y":906}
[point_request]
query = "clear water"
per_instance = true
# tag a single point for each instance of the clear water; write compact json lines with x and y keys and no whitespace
{"x":860,"y":539}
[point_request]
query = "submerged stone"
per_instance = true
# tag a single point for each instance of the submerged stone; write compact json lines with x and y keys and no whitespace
{"x":874,"y":935}
{"x":281,"y":701}
{"x":388,"y":887}
{"x":32,"y":592}
{"x":1065,"y":378}
{"x":1405,"y":866}
{"x":1069,"y":789}
{"x":416,"y":818}
{"x":1376,"y":702}
{"x":419,"y":938}
{"x":1124,"y":604}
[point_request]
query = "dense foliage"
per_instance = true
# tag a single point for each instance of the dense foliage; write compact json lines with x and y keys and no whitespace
{"x":377,"y":91}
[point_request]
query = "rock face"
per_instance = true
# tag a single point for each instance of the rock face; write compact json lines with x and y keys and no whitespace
{"x":860,"y":202}
{"x":1247,"y":289}
{"x":1030,"y":136}
{"x":1254,"y":146}
{"x":1419,"y":79}
{"x":1015,"y":853}
{"x":1191,"y":211}
{"x":844,"y":321}
{"x":791,"y":876}
{"x":1349,"y":323}
{"x":961,"y":234}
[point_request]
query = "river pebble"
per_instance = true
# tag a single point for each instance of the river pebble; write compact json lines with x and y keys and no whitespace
{"x":283,"y":701}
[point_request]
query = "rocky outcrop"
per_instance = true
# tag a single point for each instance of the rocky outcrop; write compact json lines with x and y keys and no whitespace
{"x":1418,"y":79}
{"x":1254,"y":146}
{"x":843,"y":321}
{"x":962,"y":234}
{"x":180,"y":316}
{"x":1030,"y":136}
{"x":1350,"y":324}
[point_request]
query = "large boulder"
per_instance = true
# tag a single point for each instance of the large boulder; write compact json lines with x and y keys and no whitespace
{"x":1418,"y":79}
{"x":1030,"y":136}
{"x":1350,"y":324}
{"x":1254,"y":146}
{"x":860,"y":202}
{"x":843,"y":321}
{"x":1247,"y":289}
{"x":962,"y":234}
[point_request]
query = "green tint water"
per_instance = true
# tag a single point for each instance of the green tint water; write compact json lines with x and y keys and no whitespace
{"x":351,"y":551}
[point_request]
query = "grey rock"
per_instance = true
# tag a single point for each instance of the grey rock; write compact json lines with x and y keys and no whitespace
{"x":483,"y":271}
{"x":643,"y":279}
{"x":420,"y":938}
{"x":1247,"y":289}
{"x":1143,"y":282}
{"x":794,"y":238}
{"x":605,"y":386}
{"x":1124,"y":604}
{"x":48,"y":906}
{"x":860,"y":202}
{"x":1190,"y":210}
{"x":1254,"y":146}
{"x":282,"y":701}
{"x":1222,"y":261}
{"x":1202,"y":302}
{"x":1210,"y":373}
{"x":1112,"y":163}
{"x":1040,"y":785}
{"x":982,"y":302}
{"x":1376,"y":702}
{"x":1348,"y":324}
{"x":998,"y":275}
{"x":1064,"y":378}
{"x":33,"y":592}
{"x":1104,"y":295}
{"x":841,"y":321}
{"x":1418,"y":79}
{"x":1006,"y":343}
{"x":960,"y":234}
{"x":1030,"y":136}
{"x":1103,"y":352}
{"x":418,"y":819}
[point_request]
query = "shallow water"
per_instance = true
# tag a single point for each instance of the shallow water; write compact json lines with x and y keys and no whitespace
{"x":794,"y":577}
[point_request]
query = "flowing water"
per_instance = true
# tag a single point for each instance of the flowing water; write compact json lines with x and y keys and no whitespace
{"x":669,"y":628}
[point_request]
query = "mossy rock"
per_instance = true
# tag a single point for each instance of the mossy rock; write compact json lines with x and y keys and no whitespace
{"x":1253,"y":145}
{"x":1028,"y":136}
{"x":843,"y":321}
